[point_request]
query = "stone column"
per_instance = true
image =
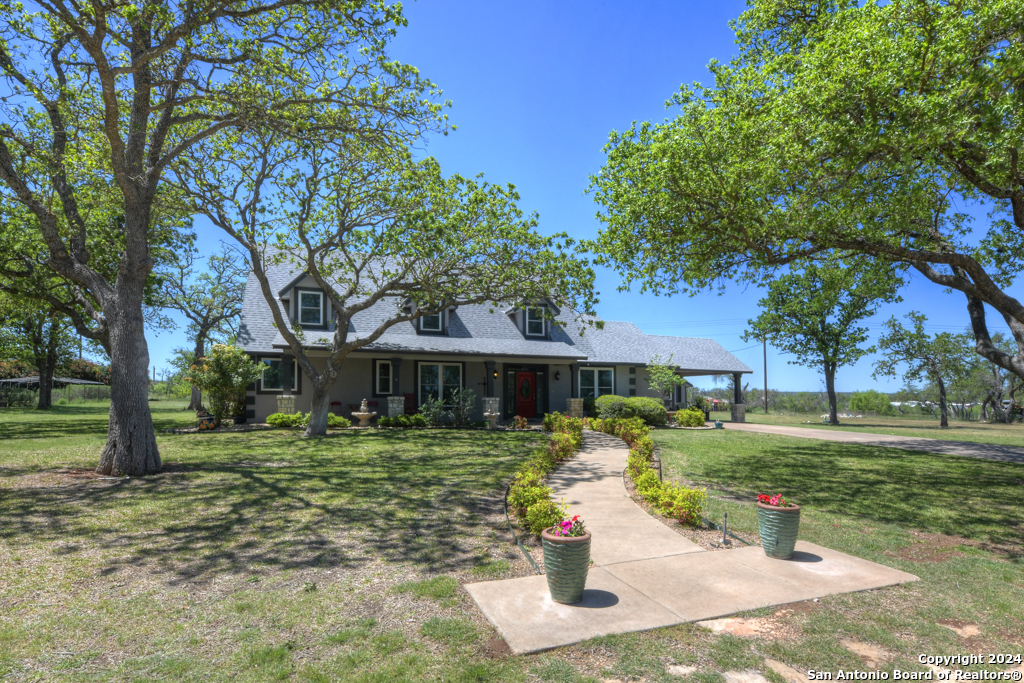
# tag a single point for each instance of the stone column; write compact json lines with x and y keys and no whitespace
{"x":286,"y":404}
{"x":739,"y":410}
{"x":396,"y":405}
{"x":574,"y":407}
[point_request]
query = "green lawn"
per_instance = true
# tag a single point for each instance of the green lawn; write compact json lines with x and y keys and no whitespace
{"x":256,"y":549}
{"x":957,"y":523}
{"x":262,"y":556}
{"x":923,"y":426}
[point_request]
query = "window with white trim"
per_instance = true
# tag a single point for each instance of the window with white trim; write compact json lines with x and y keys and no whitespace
{"x":311,"y":308}
{"x":440,"y":380}
{"x":273,"y":375}
{"x":430,"y":323}
{"x":382,"y":376}
{"x":596,"y":382}
{"x":535,"y":321}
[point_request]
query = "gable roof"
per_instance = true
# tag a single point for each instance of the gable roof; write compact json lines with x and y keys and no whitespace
{"x":484,"y":330}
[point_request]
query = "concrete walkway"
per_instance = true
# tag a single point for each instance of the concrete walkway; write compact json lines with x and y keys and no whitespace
{"x":967,"y":449}
{"x":644,"y":575}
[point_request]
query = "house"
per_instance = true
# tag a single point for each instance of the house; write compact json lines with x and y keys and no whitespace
{"x":512,"y":353}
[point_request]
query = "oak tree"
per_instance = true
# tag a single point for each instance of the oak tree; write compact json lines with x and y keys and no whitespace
{"x":839,"y":128}
{"x":375,"y":228}
{"x":113,"y":94}
{"x":941,"y":358}
{"x":815,"y":314}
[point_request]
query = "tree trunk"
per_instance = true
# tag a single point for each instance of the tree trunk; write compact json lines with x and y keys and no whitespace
{"x":943,"y":410}
{"x":830,"y":388}
{"x":131,"y":442}
{"x":46,"y":369}
{"x":196,"y":401}
{"x":321,"y":404}
{"x":48,"y":366}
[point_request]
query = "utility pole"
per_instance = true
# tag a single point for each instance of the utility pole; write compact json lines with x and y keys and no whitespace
{"x":765,"y":339}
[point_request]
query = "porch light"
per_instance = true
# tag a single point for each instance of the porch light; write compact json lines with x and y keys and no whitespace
{"x":558,"y":375}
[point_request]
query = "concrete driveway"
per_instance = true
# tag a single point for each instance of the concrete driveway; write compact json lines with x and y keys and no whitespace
{"x":911,"y":443}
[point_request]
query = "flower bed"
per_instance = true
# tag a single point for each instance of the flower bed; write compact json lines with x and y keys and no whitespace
{"x":672,"y":500}
{"x":528,"y":497}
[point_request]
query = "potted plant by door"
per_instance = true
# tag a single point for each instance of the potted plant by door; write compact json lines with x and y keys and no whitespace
{"x":779,"y":522}
{"x":566,"y":559}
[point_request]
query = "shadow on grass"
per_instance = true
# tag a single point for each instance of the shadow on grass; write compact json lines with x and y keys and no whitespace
{"x":232,"y":503}
{"x":950,"y":495}
{"x":87,"y":419}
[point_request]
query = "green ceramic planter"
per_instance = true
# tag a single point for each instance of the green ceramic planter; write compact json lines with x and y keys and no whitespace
{"x":566,"y":563}
{"x":779,"y":527}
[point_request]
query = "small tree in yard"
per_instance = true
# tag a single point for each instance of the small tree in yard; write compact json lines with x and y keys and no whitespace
{"x":941,"y":358}
{"x":372,"y":227}
{"x":211,"y":300}
{"x":40,"y":337}
{"x":224,"y":375}
{"x":662,"y":377}
{"x":814,"y":314}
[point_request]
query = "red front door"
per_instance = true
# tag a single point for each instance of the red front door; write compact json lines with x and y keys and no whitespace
{"x":526,"y":394}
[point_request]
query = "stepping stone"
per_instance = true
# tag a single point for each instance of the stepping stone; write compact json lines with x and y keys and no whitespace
{"x":872,"y":655}
{"x":744,"y":628}
{"x":786,"y":671}
{"x":748,"y":676}
{"x":962,"y":629}
{"x":679,"y":670}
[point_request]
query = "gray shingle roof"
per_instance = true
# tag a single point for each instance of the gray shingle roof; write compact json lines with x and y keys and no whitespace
{"x":484,"y":330}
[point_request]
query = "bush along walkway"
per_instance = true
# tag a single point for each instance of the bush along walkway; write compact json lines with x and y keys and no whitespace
{"x":644,"y":575}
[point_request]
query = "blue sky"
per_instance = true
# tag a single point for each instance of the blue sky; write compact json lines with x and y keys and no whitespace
{"x":537,"y":86}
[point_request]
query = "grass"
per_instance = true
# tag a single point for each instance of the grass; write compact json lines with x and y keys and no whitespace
{"x":957,"y":523}
{"x":254,"y":556}
{"x":262,"y":556}
{"x":922,"y":426}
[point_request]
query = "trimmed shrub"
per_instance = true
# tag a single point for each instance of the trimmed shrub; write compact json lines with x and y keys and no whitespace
{"x":335,"y":421}
{"x":691,"y":417}
{"x":561,"y":446}
{"x":302,"y":420}
{"x":650,"y":410}
{"x":527,"y":495}
{"x":543,"y":514}
{"x":285,"y":420}
{"x":647,"y":484}
{"x":683,"y":503}
{"x":611,"y":407}
{"x":521,"y":498}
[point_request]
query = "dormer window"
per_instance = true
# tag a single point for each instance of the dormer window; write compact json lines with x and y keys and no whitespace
{"x":535,"y":322}
{"x":431,"y":323}
{"x":311,"y":308}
